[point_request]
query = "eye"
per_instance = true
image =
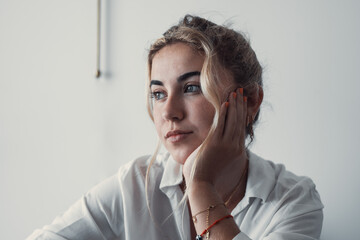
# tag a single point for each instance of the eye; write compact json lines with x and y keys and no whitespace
{"x":157,"y":95}
{"x":192,"y":89}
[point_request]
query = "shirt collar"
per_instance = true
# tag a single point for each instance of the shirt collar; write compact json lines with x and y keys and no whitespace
{"x":261,"y":178}
{"x":260,"y":182}
{"x":172,"y":175}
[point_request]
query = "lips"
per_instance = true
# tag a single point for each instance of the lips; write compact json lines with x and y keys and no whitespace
{"x":177,"y":135}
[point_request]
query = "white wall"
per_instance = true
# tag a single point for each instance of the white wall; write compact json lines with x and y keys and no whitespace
{"x":62,"y":130}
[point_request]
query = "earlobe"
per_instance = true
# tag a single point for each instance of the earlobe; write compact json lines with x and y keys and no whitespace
{"x":260,"y":96}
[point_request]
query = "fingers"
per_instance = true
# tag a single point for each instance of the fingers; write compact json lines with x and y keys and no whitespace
{"x":240,"y":124}
{"x":234,"y":129}
{"x":219,"y":132}
{"x":242,"y":121}
{"x":231,"y":117}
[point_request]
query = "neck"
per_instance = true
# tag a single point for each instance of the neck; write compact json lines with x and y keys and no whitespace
{"x":234,"y":185}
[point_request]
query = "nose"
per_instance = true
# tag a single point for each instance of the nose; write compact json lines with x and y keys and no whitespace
{"x":173,"y":109}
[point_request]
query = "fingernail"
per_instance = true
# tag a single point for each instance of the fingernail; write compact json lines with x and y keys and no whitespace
{"x":234,"y":94}
{"x":245,"y":99}
{"x":241,"y":91}
{"x":226,"y":104}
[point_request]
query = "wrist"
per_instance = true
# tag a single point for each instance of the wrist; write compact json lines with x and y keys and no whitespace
{"x":209,"y":213}
{"x":202,"y":195}
{"x":201,"y":188}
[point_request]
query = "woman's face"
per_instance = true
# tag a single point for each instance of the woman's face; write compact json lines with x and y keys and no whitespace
{"x":182,"y":115}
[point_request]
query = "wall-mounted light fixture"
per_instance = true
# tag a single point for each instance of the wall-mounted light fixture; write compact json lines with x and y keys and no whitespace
{"x":98,"y":73}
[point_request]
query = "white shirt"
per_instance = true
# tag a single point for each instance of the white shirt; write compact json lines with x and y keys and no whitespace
{"x":277,"y":205}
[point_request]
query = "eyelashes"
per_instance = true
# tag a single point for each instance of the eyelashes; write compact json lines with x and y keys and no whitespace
{"x":157,"y":95}
{"x":193,"y":88}
{"x":188,"y":89}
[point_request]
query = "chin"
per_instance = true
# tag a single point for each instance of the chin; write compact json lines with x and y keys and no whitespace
{"x":181,"y":152}
{"x":180,"y":157}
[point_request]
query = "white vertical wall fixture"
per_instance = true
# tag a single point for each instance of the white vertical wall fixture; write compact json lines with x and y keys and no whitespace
{"x":98,"y":39}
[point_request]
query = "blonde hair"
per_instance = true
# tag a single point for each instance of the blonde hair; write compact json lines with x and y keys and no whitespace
{"x":224,"y":50}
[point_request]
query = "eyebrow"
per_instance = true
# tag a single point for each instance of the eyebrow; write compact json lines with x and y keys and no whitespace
{"x":181,"y":78}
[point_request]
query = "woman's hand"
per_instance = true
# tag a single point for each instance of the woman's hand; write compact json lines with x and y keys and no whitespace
{"x":224,"y":156}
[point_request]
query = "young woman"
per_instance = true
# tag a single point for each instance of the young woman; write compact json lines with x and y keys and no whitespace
{"x":204,"y":97}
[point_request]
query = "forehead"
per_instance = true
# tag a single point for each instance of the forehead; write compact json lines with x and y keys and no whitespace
{"x":174,"y":60}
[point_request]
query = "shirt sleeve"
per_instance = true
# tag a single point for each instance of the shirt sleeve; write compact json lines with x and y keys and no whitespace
{"x":306,"y":226}
{"x":294,"y":214}
{"x":300,"y":215}
{"x":303,"y":227}
{"x":97,"y":215}
{"x":241,"y":236}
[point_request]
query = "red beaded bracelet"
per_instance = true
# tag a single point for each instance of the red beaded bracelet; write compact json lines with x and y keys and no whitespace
{"x":199,"y":237}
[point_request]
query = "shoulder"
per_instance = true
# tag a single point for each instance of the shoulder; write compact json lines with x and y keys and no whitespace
{"x":285,"y":189}
{"x":101,"y":210}
{"x":129,"y":177}
{"x":137,"y":168}
{"x":287,"y":205}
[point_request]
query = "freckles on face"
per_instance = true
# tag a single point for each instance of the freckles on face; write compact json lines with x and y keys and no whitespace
{"x":182,"y":115}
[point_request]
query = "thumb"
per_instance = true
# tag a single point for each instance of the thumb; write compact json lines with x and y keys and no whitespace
{"x":188,"y":165}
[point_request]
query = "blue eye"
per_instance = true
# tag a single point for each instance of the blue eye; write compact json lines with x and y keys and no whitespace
{"x":193,"y":88}
{"x":157,"y":95}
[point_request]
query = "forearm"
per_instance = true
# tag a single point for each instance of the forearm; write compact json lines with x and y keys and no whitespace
{"x":201,"y":196}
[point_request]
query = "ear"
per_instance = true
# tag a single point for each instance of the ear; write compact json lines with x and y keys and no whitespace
{"x":255,"y":95}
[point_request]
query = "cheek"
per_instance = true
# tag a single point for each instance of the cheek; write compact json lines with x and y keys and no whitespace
{"x":205,"y":113}
{"x":157,"y":120}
